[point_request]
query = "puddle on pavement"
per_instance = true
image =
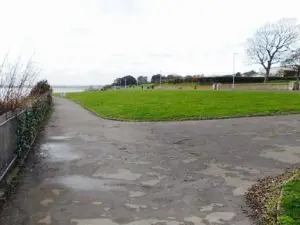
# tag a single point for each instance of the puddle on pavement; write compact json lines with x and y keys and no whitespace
{"x":241,"y":185}
{"x":150,"y":182}
{"x":46,"y":201}
{"x":87,"y":183}
{"x":160,"y":168}
{"x":141,"y":162}
{"x":195,"y":220}
{"x":136,"y":207}
{"x":155,"y":174}
{"x":57,"y":192}
{"x":209,"y":208}
{"x":135,"y":194}
{"x":46,"y":220}
{"x":58,"y":152}
{"x":59,"y":138}
{"x":249,"y":170}
{"x":102,"y":221}
{"x":87,"y":137}
{"x":97,"y":203}
{"x":260,"y":139}
{"x":219,"y":217}
{"x":289,"y":155}
{"x":242,"y":188}
{"x":189,"y":160}
{"x":248,"y":133}
{"x":218,"y":170}
{"x":122,"y":174}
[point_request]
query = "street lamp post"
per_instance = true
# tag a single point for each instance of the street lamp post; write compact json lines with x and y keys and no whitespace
{"x":233,"y":75}
{"x":160,"y":80}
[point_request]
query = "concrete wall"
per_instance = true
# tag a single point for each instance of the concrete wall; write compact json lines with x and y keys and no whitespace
{"x":258,"y":86}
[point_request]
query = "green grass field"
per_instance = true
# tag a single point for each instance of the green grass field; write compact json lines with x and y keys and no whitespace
{"x":154,"y":105}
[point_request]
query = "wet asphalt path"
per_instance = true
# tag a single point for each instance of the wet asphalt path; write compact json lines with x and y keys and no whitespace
{"x":91,"y":171}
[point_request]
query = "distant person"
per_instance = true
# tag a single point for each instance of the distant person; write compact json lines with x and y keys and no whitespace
{"x":142,"y":87}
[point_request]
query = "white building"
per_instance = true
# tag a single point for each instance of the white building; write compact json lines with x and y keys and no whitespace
{"x":278,"y":72}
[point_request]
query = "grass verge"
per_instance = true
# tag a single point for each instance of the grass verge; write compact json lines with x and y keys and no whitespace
{"x":289,"y":211}
{"x":163,"y":105}
{"x":276,"y":200}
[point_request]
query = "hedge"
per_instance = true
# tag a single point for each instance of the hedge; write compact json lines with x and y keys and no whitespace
{"x":225,"y":80}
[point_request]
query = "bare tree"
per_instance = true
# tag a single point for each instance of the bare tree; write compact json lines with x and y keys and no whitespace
{"x":272,"y":42}
{"x":293,"y":62}
{"x":16,"y":81}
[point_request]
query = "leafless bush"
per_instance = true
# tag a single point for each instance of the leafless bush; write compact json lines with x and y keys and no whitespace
{"x":16,"y":81}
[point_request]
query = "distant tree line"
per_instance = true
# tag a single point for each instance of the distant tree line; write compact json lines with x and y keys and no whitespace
{"x":246,"y":77}
{"x":127,"y":80}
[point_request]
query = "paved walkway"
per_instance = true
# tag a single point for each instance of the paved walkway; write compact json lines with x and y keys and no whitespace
{"x":90,"y":171}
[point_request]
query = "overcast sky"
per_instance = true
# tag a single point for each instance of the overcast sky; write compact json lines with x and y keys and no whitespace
{"x":94,"y":41}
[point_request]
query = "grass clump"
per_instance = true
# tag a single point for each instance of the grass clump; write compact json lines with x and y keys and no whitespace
{"x":290,"y":204}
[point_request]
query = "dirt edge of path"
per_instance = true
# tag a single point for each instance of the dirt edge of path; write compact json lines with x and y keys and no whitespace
{"x":262,"y":198}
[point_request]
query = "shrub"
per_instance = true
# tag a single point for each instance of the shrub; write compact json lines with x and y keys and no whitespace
{"x":42,"y":87}
{"x":105,"y":87}
{"x":29,"y":122}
